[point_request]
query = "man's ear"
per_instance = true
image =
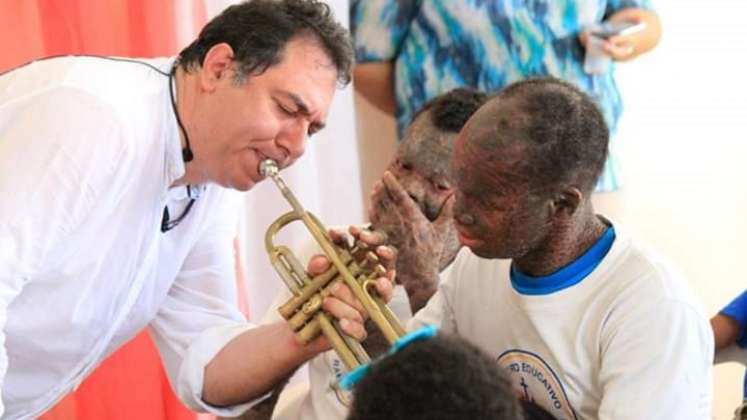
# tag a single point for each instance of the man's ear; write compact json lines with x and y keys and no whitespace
{"x":218,"y":65}
{"x":566,"y":202}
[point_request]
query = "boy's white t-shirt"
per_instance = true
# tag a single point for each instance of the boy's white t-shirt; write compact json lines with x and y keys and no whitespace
{"x":629,"y":341}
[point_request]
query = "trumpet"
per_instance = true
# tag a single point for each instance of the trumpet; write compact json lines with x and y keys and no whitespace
{"x":357,"y":267}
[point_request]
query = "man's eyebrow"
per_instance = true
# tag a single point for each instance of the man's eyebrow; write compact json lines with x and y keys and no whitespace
{"x":300,"y":103}
{"x":303,"y":108}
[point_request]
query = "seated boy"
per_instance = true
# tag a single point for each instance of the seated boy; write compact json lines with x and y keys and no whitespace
{"x":438,"y":378}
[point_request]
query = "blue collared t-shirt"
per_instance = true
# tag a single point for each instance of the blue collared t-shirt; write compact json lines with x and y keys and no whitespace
{"x":438,"y":45}
{"x":567,"y":276}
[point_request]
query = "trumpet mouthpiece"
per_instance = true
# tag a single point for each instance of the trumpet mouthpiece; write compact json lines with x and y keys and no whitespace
{"x":268,"y":167}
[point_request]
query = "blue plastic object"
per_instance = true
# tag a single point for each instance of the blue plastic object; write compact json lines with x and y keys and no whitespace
{"x":351,"y":378}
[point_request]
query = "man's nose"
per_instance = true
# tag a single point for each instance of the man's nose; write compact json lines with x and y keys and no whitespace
{"x":293,"y":140}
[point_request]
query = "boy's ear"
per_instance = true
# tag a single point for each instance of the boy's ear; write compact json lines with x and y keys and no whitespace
{"x":566,"y":202}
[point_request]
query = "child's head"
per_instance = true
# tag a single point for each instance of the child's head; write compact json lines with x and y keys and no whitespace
{"x":534,"y":412}
{"x":440,"y":378}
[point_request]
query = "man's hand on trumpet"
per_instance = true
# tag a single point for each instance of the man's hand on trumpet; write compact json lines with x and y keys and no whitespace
{"x":342,"y":303}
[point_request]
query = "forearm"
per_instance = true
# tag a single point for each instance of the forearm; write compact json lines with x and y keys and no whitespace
{"x":264,"y":409}
{"x":725,"y":331}
{"x":375,"y":82}
{"x":648,"y":38}
{"x":420,"y":287}
{"x":253,"y":363}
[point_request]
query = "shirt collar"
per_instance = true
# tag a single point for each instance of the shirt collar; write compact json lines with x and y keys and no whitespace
{"x":567,"y":276}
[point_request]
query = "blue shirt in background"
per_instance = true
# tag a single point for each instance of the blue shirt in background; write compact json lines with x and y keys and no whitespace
{"x":438,"y":45}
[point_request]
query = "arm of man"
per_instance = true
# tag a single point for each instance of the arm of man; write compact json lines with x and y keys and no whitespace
{"x":324,"y":400}
{"x":318,"y":402}
{"x":656,"y":362}
{"x":199,"y":319}
{"x":264,"y":410}
{"x":216,"y":361}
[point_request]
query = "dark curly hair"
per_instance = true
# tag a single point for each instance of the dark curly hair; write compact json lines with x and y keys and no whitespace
{"x":564,"y":132}
{"x":258,"y":31}
{"x":442,"y":378}
{"x":533,"y":411}
{"x":451,"y":110}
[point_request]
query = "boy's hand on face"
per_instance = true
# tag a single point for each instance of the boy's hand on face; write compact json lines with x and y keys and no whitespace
{"x":420,"y":242}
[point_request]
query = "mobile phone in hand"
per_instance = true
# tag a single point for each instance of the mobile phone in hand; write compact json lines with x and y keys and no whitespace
{"x":606,"y":30}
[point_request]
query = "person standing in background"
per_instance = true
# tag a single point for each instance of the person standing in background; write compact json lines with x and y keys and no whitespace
{"x":410,"y":51}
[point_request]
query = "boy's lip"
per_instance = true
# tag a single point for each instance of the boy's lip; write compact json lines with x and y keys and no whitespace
{"x":466,"y":239}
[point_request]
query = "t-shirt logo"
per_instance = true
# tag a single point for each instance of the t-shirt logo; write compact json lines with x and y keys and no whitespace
{"x":535,"y":381}
{"x":343,"y":396}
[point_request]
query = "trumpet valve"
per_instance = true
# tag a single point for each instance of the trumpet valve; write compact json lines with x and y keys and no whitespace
{"x":313,"y":305}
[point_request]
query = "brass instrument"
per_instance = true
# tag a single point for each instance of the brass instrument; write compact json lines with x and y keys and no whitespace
{"x":357,"y":267}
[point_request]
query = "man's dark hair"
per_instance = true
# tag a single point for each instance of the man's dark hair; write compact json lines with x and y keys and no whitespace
{"x":564,"y":131}
{"x":451,"y":110}
{"x":259,"y":30}
{"x":441,"y":378}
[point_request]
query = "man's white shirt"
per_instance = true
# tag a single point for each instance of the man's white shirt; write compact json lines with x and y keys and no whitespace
{"x":89,"y":148}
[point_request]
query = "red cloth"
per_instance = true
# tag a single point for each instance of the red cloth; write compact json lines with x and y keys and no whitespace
{"x":137,"y":28}
{"x":130,"y":384}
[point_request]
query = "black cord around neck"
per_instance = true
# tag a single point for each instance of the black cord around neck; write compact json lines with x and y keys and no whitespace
{"x":166,"y":223}
{"x":187,"y":154}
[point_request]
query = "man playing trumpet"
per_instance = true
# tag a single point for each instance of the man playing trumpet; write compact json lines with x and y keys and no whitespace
{"x":119,"y":209}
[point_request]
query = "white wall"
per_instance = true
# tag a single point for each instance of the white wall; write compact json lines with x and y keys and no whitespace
{"x":683,"y":149}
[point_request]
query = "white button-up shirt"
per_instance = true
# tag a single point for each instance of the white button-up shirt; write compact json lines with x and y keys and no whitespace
{"x":89,"y":148}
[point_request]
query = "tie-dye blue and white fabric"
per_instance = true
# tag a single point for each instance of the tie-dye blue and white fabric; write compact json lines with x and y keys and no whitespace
{"x":438,"y":45}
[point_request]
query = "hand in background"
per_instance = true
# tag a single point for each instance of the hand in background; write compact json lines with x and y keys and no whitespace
{"x":627,"y":47}
{"x":730,"y":323}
